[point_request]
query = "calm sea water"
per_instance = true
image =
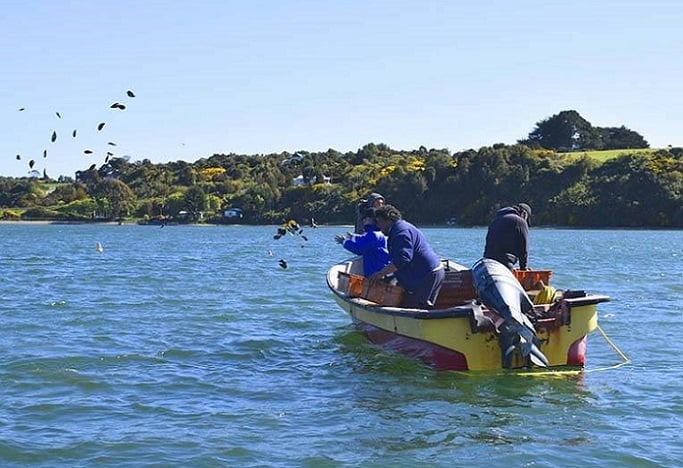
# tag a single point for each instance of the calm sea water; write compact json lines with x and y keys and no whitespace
{"x":190,"y":346}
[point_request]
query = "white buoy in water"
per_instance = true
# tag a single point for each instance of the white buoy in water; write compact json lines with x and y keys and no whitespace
{"x":99,"y":247}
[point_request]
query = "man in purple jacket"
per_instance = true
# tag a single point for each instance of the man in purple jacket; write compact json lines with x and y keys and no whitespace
{"x":416,"y":266}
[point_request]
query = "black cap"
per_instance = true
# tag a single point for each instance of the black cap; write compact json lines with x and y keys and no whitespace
{"x":374,"y":196}
{"x":523,"y":207}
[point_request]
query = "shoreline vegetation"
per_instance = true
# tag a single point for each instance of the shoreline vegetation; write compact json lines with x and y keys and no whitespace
{"x":572,"y":173}
{"x":634,"y":187}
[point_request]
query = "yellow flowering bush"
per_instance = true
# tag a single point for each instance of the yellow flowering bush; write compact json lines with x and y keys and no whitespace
{"x":210,"y":173}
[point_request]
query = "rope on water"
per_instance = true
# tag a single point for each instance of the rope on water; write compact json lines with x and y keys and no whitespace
{"x":624,"y":360}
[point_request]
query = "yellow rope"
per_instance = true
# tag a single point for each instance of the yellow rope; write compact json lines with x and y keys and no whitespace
{"x":546,"y":296}
{"x":625,"y":360}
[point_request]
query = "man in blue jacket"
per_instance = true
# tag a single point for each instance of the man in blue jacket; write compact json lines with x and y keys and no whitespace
{"x":507,"y":239}
{"x":373,"y":200}
{"x":413,"y":261}
{"x":372,"y":245}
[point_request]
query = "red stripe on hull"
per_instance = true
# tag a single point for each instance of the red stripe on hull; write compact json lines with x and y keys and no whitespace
{"x":434,"y":355}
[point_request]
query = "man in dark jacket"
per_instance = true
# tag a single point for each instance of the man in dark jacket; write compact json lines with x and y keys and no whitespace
{"x":413,"y":261}
{"x":507,"y":239}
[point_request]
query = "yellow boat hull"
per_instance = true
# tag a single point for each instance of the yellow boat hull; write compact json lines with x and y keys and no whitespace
{"x":452,"y":338}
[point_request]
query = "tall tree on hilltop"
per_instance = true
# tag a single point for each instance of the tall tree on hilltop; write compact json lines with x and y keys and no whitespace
{"x":566,"y":131}
{"x":621,"y":138}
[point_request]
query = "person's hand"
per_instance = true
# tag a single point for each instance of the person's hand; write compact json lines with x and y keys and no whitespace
{"x":339,"y":238}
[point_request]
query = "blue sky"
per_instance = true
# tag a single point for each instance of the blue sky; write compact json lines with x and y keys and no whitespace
{"x":257,"y":76}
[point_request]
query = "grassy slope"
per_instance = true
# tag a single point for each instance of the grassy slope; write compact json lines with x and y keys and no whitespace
{"x":603,"y":156}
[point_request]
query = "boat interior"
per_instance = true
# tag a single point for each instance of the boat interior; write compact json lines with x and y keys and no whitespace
{"x":458,"y":295}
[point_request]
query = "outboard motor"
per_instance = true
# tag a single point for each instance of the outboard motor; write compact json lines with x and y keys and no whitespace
{"x":499,"y":290}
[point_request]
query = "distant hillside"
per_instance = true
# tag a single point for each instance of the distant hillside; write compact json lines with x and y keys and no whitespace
{"x":615,"y":188}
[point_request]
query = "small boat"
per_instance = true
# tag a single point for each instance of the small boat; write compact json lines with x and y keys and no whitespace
{"x":463,"y":332}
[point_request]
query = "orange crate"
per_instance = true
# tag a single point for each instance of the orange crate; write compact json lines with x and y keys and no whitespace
{"x":383,"y":293}
{"x":351,"y":284}
{"x":529,"y":279}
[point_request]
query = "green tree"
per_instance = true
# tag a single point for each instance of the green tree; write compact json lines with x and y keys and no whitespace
{"x":638,"y":190}
{"x":115,"y":198}
{"x":620,"y":138}
{"x":65,"y":193}
{"x":175,"y":203}
{"x":566,"y":131}
{"x":79,"y":209}
{"x":195,"y":201}
{"x":187,"y":176}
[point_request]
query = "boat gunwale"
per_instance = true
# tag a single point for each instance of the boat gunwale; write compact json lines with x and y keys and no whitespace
{"x":457,"y":311}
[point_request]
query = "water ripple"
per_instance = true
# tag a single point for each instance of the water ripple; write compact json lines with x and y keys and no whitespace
{"x":189,"y":345}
